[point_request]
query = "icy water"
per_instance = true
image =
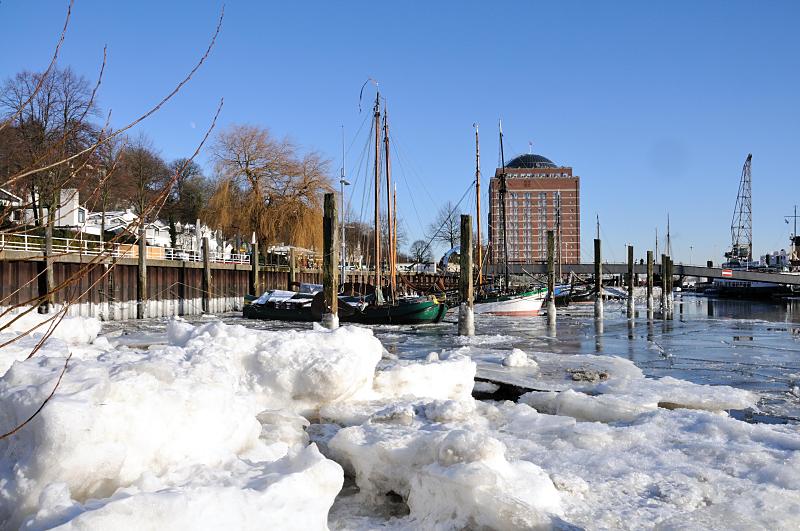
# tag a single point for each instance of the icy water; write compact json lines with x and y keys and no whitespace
{"x":749,"y":345}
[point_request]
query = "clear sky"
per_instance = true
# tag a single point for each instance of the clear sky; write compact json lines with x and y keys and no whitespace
{"x":654,"y":104}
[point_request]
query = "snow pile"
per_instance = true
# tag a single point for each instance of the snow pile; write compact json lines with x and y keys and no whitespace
{"x":451,"y":377}
{"x":507,"y":466}
{"x":27,"y":329}
{"x":179,"y":421}
{"x":518,"y":358}
{"x":472,"y":485}
{"x":72,"y":330}
{"x":294,"y":492}
{"x":624,"y":399}
{"x":451,"y":478}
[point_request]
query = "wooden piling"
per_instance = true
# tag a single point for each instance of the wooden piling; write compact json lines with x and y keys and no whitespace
{"x":551,"y":279}
{"x":254,"y":267}
{"x":649,"y":282}
{"x":141,"y":286}
{"x":330,"y":263}
{"x":466,"y":318}
{"x":670,"y":305}
{"x":664,"y":285}
{"x":292,"y":269}
{"x":598,"y":280}
{"x":49,"y":273}
{"x":206,"y":284}
{"x":631,"y":304}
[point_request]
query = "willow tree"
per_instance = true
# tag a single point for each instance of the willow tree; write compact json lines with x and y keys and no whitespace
{"x":265,"y":186}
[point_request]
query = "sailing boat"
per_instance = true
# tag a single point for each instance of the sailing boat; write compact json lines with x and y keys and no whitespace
{"x":389,"y":308}
{"x":504,"y":302}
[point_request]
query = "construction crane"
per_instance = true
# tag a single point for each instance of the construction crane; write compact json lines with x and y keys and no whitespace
{"x":742,"y":222}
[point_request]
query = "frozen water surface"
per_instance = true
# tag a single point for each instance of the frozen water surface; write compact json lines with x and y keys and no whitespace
{"x":221,"y":422}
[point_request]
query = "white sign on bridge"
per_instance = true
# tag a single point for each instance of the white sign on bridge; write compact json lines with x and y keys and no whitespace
{"x":727,"y":273}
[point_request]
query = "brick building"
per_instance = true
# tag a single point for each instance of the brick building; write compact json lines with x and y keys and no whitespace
{"x":540,"y":197}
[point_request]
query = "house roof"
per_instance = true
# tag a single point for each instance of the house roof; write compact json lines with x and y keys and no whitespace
{"x":5,"y":195}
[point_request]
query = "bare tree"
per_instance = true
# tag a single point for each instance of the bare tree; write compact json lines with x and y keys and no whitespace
{"x":420,"y":252}
{"x":189,"y":194}
{"x":446,"y":227}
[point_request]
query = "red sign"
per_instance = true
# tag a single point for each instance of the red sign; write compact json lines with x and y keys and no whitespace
{"x":727,"y":272}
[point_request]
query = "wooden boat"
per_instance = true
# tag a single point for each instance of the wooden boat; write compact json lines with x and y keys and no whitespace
{"x":371,"y":307}
{"x":524,"y":304}
{"x":502,"y":302}
{"x":280,"y":305}
{"x":411,"y":311}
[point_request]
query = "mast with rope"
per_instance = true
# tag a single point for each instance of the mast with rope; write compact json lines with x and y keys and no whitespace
{"x":377,"y":240}
{"x":389,"y":218}
{"x":394,"y":242}
{"x":479,"y":253}
{"x":503,"y":206}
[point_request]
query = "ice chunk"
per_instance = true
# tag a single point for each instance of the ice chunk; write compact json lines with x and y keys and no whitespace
{"x":294,"y":492}
{"x":471,"y":485}
{"x":518,"y":358}
{"x":450,"y":378}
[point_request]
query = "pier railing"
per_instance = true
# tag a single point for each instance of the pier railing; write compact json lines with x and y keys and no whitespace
{"x":36,"y":244}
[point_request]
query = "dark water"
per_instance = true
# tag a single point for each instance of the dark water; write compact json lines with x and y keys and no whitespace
{"x":750,"y":345}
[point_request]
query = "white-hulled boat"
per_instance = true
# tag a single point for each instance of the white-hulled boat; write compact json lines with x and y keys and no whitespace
{"x":524,"y":304}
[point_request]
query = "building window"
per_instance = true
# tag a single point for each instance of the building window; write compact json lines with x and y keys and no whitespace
{"x":542,"y":225}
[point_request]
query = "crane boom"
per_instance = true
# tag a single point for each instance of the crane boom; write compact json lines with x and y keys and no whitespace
{"x":742,"y":221}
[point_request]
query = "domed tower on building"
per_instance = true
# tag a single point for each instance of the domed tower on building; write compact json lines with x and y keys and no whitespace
{"x":540,"y":196}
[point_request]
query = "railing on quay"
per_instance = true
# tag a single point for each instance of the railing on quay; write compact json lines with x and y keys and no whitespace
{"x":61,"y":246}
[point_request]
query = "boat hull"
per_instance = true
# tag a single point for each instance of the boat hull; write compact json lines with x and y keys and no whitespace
{"x":260,"y":311}
{"x":527,"y":304}
{"x":422,"y":312}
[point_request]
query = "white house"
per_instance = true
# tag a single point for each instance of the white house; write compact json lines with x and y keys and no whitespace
{"x":9,"y":206}
{"x":69,"y":213}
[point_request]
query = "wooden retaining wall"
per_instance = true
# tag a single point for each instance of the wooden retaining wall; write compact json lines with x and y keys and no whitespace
{"x":173,"y":287}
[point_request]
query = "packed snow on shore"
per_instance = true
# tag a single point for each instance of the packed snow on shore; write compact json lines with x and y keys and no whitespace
{"x":223,"y":427}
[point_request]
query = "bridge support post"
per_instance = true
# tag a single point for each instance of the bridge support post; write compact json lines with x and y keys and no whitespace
{"x":630,"y":282}
{"x":598,"y":281}
{"x":551,"y":280}
{"x":649,"y":284}
{"x":330,"y":263}
{"x":466,"y":315}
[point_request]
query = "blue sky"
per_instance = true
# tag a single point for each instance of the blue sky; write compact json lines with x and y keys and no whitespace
{"x":654,"y":104}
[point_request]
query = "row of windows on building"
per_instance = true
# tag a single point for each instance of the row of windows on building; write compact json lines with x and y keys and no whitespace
{"x":550,"y":175}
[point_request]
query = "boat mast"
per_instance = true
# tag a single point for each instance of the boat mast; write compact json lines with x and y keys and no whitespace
{"x":389,"y":217}
{"x":394,"y":242}
{"x":479,"y":254}
{"x":343,"y":182}
{"x":503,"y":205}
{"x":377,"y":240}
{"x":669,"y":241}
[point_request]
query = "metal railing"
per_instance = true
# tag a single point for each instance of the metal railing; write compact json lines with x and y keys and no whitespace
{"x":61,"y":246}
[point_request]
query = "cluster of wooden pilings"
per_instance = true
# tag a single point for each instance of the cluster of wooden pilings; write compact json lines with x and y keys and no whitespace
{"x":466,"y":320}
{"x":667,"y":302}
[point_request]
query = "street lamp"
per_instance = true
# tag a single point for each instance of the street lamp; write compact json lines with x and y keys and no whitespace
{"x":344,"y":183}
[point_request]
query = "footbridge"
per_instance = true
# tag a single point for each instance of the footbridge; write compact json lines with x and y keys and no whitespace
{"x":679,"y":270}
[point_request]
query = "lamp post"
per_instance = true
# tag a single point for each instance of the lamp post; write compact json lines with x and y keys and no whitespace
{"x":343,"y":182}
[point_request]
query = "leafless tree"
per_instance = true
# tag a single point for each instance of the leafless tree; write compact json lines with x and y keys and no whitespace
{"x":420,"y":252}
{"x":446,"y":227}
